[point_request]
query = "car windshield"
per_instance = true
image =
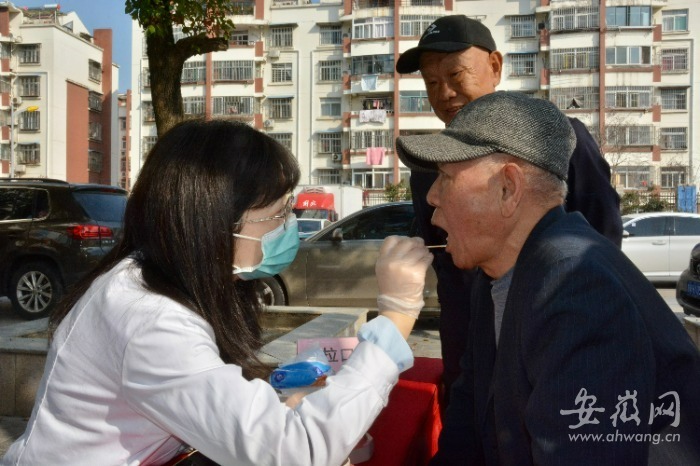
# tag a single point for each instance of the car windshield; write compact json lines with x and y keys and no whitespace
{"x":308,"y":226}
{"x":102,"y":206}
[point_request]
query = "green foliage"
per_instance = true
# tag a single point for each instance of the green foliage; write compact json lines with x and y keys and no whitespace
{"x":197,"y":17}
{"x":397,"y":192}
{"x":633,"y":202}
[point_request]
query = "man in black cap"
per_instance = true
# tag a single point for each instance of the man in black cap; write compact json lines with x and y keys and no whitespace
{"x":459,"y":62}
{"x":573,"y":357}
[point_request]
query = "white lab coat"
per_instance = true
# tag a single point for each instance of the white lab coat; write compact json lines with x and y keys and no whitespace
{"x":131,"y":375}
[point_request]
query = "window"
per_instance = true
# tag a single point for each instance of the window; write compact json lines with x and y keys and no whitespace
{"x":29,"y":53}
{"x":94,"y":161}
{"x":330,"y":70}
{"x":378,"y":103}
{"x":585,"y":58}
{"x":628,"y":16}
{"x":672,"y":177}
{"x":281,"y":72}
{"x":28,"y":154}
{"x":238,"y":38}
{"x":373,"y":138}
{"x":283,"y":138}
{"x":328,"y":176}
{"x":147,"y":144}
{"x":232,"y":106}
{"x":95,"y":101}
{"x":145,"y":78}
{"x":147,"y":111}
{"x":628,"y":97}
{"x":566,"y":98}
{"x":686,"y":226}
{"x":330,"y":107}
{"x":5,"y":50}
{"x":631,"y":176}
{"x":329,"y":143}
{"x":29,"y":86}
{"x":574,"y":18}
{"x":373,"y":64}
{"x":628,"y":55}
{"x":522,"y":26}
{"x":281,"y":37}
{"x":629,"y":135}
{"x":395,"y":220}
{"x":177,"y":33}
{"x":95,"y":130}
{"x":674,"y":21}
{"x":674,"y":60}
{"x":331,"y":35}
{"x":373,"y":28}
{"x":674,"y":99}
{"x":193,"y":72}
{"x":414,"y":102}
{"x":372,"y":178}
{"x":193,"y":105}
{"x":29,"y":121}
{"x":415,"y":25}
{"x":4,"y":152}
{"x":673,"y":138}
{"x":95,"y":71}
{"x":522,"y":64}
{"x":280,"y":108}
{"x":233,"y":70}
{"x":652,"y":226}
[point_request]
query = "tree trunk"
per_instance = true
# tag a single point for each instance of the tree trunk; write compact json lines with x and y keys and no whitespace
{"x":165,"y":61}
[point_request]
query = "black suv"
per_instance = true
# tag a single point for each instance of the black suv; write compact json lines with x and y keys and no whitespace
{"x":51,"y":234}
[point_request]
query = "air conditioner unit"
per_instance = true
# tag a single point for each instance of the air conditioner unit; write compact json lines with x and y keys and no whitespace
{"x":337,"y":157}
{"x":269,"y":123}
{"x":16,"y":101}
{"x":20,"y":168}
{"x":274,"y":53}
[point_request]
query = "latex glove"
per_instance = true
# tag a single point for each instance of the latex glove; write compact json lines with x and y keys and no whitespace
{"x":400,"y":270}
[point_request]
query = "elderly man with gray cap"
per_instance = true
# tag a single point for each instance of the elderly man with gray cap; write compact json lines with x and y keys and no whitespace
{"x":568,"y":341}
{"x":459,"y":62}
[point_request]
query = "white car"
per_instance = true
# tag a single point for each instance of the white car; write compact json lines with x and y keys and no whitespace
{"x":659,"y":243}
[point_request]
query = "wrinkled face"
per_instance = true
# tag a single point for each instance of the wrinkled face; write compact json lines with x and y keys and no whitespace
{"x":455,"y":79}
{"x":466,"y":197}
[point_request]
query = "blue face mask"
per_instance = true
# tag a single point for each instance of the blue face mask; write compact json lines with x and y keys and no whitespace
{"x":279,"y":248}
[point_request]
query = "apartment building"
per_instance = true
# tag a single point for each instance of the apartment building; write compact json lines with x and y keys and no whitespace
{"x":318,"y":76}
{"x":122,"y":170}
{"x":57,"y":95}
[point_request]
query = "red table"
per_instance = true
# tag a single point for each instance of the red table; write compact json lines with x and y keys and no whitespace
{"x":406,"y":432}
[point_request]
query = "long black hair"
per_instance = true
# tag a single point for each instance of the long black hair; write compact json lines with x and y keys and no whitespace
{"x":196,"y":183}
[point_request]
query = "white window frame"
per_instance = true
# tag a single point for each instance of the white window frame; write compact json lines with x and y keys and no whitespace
{"x":414,"y":102}
{"x":194,"y":105}
{"x":233,"y":106}
{"x":673,"y":138}
{"x":30,"y":121}
{"x":522,"y":64}
{"x":628,"y":97}
{"x":631,"y":177}
{"x":233,"y":70}
{"x":628,"y":55}
{"x":674,"y":60}
{"x":280,"y":108}
{"x":672,"y":177}
{"x":194,"y":72}
{"x":329,"y":143}
{"x":95,"y":71}
{"x":29,"y":86}
{"x":381,"y":27}
{"x":28,"y":154}
{"x":415,"y":25}
{"x":581,"y":58}
{"x":281,"y":72}
{"x":330,"y":70}
{"x":281,"y":37}
{"x":29,"y":54}
{"x":522,"y":27}
{"x":331,"y":107}
{"x":147,"y":144}
{"x":330,"y":34}
{"x":624,"y":136}
{"x":674,"y":20}
{"x":674,"y":98}
{"x":283,"y":138}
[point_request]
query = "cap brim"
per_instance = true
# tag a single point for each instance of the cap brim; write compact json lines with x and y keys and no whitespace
{"x":409,"y":61}
{"x":425,"y":152}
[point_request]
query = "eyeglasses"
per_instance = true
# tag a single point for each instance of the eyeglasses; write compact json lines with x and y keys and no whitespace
{"x":288,"y":207}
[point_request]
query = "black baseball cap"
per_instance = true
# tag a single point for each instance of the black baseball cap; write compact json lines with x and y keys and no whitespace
{"x":447,"y":34}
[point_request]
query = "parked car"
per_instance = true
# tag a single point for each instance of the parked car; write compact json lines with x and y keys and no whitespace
{"x":51,"y":234}
{"x":659,"y":243}
{"x":310,"y":226}
{"x":688,"y":286}
{"x":335,"y":267}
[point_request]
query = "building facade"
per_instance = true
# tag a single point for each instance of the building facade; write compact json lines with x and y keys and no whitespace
{"x":318,"y":76}
{"x":58,"y":97}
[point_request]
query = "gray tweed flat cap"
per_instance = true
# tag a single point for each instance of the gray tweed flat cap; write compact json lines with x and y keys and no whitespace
{"x":532,"y":129}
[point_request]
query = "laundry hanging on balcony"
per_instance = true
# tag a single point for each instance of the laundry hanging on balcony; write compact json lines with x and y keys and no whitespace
{"x":369,"y":82}
{"x":375,"y":155}
{"x":378,"y":116}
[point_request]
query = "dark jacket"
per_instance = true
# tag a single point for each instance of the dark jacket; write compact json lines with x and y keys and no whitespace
{"x":582,"y":327}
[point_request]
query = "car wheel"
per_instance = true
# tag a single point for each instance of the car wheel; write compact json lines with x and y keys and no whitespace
{"x":270,"y":292}
{"x":35,"y":288}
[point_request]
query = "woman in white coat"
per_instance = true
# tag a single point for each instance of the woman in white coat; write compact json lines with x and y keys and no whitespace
{"x":156,"y":349}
